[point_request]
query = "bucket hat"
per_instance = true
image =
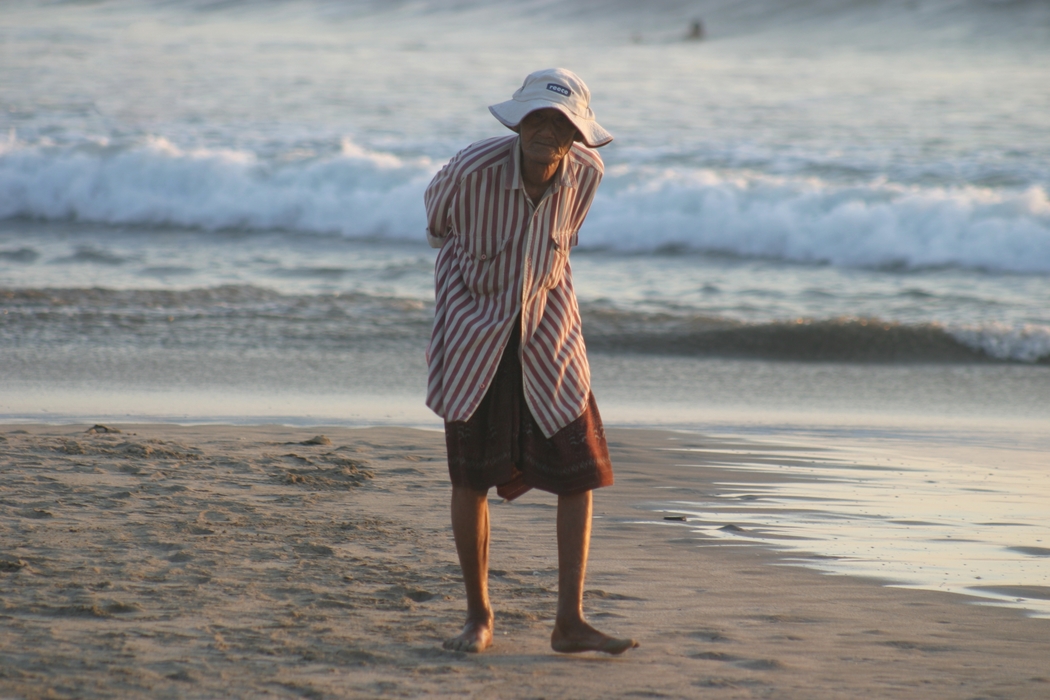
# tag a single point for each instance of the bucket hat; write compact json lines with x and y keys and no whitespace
{"x":556,"y":88}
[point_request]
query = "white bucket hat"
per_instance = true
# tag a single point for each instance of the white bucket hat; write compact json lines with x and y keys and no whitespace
{"x":559,"y":89}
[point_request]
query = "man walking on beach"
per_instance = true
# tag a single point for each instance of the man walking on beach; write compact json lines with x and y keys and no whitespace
{"x":507,"y":364}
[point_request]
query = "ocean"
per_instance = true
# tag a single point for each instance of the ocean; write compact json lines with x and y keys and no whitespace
{"x":825,"y":212}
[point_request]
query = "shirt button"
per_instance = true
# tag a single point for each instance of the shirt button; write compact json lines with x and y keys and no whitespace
{"x":484,"y":257}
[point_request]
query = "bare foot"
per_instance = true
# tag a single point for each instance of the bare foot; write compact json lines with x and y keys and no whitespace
{"x":574,"y":637}
{"x":476,"y":636}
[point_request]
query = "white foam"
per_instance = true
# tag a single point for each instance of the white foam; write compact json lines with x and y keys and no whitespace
{"x":356,"y":193}
{"x":809,"y":220}
{"x":359,"y":192}
{"x":1021,"y":343}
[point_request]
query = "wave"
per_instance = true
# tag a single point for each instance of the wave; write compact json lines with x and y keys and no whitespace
{"x":1022,"y":343}
{"x":357,"y":192}
{"x":809,"y":220}
{"x":255,"y":318}
{"x":640,"y":209}
{"x":884,"y":21}
{"x":809,"y":340}
{"x":753,"y":12}
{"x":216,"y":319}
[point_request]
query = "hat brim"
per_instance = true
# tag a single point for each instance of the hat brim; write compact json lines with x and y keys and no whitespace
{"x":511,"y":112}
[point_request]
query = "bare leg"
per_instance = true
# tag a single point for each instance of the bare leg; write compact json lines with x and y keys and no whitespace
{"x":470,"y":527}
{"x":571,"y":632}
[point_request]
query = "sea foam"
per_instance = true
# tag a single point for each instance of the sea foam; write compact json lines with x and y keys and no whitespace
{"x":359,"y":192}
{"x":356,"y":192}
{"x":808,"y":220}
{"x":1022,"y":343}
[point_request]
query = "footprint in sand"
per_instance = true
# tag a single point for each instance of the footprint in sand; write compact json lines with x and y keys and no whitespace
{"x":740,"y":662}
{"x":709,"y":636}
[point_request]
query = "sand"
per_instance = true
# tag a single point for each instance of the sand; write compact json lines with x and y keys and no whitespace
{"x":220,"y":561}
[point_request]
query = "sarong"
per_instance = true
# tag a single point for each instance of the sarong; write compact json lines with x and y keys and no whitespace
{"x":501,"y":445}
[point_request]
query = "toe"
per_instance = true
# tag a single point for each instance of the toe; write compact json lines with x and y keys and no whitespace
{"x":619,"y":646}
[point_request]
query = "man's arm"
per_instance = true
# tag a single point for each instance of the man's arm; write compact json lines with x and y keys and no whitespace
{"x":590,"y":175}
{"x":438,"y":200}
{"x":442,"y":191}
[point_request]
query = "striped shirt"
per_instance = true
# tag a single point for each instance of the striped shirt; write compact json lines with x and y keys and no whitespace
{"x":501,"y":256}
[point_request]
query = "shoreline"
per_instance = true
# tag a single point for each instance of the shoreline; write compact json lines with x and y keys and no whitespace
{"x":235,"y":560}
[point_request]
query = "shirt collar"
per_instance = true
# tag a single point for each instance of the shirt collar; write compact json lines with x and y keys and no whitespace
{"x":565,"y":177}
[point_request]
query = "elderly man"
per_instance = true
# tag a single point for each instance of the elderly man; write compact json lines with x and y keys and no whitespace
{"x":507,"y":365}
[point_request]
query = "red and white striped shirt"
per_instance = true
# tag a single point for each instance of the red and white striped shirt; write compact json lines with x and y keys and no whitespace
{"x":501,"y":255}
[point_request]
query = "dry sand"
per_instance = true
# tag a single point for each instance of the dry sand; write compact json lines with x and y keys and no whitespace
{"x":218,"y":561}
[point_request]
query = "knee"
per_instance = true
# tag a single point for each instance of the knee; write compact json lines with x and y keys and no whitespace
{"x":467,"y":495}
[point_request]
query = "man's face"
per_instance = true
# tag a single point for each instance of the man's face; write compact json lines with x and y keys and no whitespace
{"x":546,"y":135}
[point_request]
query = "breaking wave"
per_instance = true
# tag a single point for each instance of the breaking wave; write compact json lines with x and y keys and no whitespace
{"x":362,"y":193}
{"x":356,"y":192}
{"x":809,"y":340}
{"x":251,"y":317}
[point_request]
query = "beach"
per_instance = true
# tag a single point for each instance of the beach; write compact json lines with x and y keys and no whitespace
{"x":270,"y":561}
{"x":813,"y":287}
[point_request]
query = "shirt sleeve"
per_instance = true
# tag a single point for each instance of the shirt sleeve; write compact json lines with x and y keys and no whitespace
{"x":590,"y":176}
{"x":438,"y":200}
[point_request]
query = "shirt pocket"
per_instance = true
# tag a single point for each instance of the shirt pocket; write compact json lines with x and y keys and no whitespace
{"x":480,"y":253}
{"x":556,"y":256}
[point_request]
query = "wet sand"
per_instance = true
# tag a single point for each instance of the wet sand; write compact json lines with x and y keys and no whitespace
{"x":219,"y":561}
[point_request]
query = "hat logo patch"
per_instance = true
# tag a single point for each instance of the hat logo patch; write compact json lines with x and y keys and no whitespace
{"x":560,"y":89}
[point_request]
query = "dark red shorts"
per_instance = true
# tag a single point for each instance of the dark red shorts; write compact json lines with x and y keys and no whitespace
{"x":501,"y":445}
